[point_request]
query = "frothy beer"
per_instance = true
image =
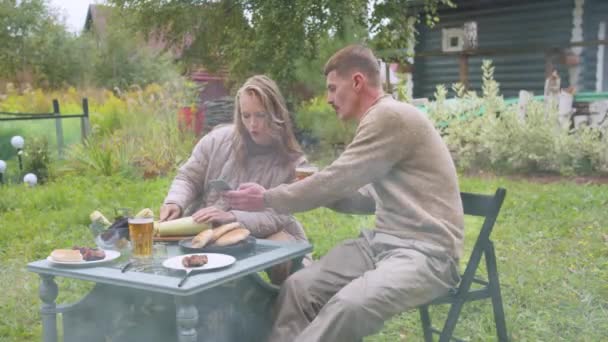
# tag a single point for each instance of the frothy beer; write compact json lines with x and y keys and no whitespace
{"x":305,"y":171}
{"x":141,"y":231}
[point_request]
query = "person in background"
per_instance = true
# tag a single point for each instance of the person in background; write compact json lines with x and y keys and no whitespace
{"x":260,"y":147}
{"x":396,"y":166}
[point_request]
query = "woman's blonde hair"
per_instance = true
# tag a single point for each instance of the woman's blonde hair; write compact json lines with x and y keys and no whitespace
{"x":278,"y":119}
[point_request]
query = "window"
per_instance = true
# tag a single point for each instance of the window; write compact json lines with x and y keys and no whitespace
{"x":452,"y":39}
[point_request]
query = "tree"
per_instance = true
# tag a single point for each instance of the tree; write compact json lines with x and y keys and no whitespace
{"x":20,"y":23}
{"x":61,"y":58}
{"x":390,"y":20}
{"x":271,"y":36}
{"x":37,"y":48}
{"x":308,"y":70}
{"x":122,"y":58}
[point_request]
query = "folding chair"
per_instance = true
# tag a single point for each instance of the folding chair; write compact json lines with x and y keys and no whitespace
{"x":488,"y":207}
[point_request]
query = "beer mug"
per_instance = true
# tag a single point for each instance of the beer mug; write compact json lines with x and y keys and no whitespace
{"x":141,"y":231}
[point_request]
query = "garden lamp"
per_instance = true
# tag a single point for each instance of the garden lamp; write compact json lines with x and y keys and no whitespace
{"x":18,"y":142}
{"x":2,"y":169}
{"x":30,"y":179}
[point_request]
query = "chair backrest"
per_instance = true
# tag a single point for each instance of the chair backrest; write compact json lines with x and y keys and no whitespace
{"x":487,"y":206}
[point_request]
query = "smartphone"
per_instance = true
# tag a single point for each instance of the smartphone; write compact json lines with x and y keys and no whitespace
{"x":219,"y":185}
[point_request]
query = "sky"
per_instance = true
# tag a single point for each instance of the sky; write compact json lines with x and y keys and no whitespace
{"x":74,"y":12}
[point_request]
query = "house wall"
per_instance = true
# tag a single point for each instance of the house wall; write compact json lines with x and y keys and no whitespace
{"x":500,"y":24}
{"x":595,"y":11}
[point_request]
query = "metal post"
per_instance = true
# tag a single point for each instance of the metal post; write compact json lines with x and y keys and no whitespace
{"x":58,"y":128}
{"x":85,"y":127}
{"x":19,"y":153}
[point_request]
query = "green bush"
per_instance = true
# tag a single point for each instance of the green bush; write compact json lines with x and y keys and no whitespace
{"x":136,"y":133}
{"x":318,"y":118}
{"x":104,"y":156}
{"x":37,"y":160}
{"x":133,"y":132}
{"x":484,"y":133}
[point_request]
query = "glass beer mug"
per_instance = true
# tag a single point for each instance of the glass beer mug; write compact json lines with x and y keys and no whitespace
{"x":141,"y":231}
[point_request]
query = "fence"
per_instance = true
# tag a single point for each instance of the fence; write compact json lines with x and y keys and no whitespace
{"x":85,"y":127}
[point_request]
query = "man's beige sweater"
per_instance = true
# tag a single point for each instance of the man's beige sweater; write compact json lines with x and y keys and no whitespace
{"x":397,"y":150}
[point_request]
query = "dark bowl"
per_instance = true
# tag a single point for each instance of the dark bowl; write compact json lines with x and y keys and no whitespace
{"x":238,"y":248}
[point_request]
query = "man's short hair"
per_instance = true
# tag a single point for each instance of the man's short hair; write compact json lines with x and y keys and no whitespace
{"x":355,"y":58}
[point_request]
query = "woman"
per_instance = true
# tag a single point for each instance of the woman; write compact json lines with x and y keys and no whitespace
{"x":258,"y":147}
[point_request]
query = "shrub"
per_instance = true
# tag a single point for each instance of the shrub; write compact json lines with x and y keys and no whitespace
{"x":133,"y":132}
{"x":484,"y":133}
{"x":136,"y":133}
{"x":105,"y":156}
{"x":109,"y":115}
{"x":318,"y":118}
{"x":37,"y":160}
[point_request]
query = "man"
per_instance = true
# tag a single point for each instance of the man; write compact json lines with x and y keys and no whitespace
{"x":411,"y":257}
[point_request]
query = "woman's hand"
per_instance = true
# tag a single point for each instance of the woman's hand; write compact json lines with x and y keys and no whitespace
{"x":169,"y":212}
{"x":213,"y":215}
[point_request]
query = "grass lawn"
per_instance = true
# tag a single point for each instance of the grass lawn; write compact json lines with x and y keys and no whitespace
{"x":551,"y":241}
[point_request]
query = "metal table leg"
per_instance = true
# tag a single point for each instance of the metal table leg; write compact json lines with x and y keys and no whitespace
{"x":48,"y":294}
{"x":187,"y":319}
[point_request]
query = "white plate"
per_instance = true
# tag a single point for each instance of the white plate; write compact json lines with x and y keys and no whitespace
{"x":215,"y":260}
{"x":110,"y":255}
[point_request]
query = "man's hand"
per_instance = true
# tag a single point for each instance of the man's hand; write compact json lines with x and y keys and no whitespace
{"x":169,"y":212}
{"x":213,"y":215}
{"x":249,"y":197}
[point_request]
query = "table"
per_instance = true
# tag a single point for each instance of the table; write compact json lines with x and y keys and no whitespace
{"x":232,"y":304}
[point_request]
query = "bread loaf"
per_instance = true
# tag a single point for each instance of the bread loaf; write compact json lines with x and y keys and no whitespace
{"x":202,"y":239}
{"x":232,"y":237}
{"x":221,"y":230}
{"x":67,"y":255}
